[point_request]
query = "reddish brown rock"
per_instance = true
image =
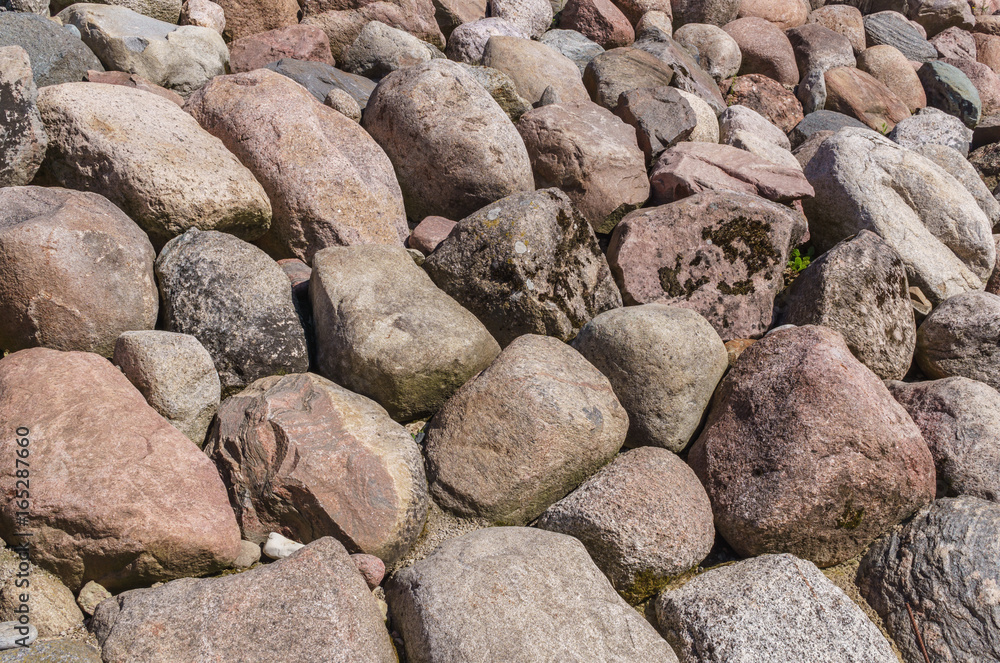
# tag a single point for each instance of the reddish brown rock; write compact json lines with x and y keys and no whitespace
{"x":690,"y":168}
{"x":329,"y":183}
{"x":721,"y":254}
{"x":306,"y":458}
{"x":589,"y":153}
{"x":534,"y":66}
{"x":955,"y":43}
{"x":634,"y":10}
{"x":135,"y":81}
{"x":783,"y":13}
{"x":988,"y":50}
{"x":302,"y":42}
{"x":598,"y":20}
{"x":251,"y":17}
{"x":886,"y":64}
{"x":429,"y":233}
{"x":619,"y":70}
{"x":769,"y":98}
{"x":819,"y":48}
{"x":936,"y":16}
{"x":118,"y":495}
{"x":765,"y":48}
{"x":372,"y":569}
{"x":843,"y":19}
{"x":857,"y":94}
{"x":984,"y":79}
{"x":342,"y":25}
{"x":827,"y":459}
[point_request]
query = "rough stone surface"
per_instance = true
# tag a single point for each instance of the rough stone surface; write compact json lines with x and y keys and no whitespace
{"x":52,"y":608}
{"x":783,"y":13}
{"x":90,"y":596}
{"x":503,"y":90}
{"x":531,"y":17}
{"x":63,"y":650}
{"x":819,"y":122}
{"x":721,"y":254}
{"x":343,"y":103}
{"x":203,"y":13}
{"x":817,"y":47}
{"x":688,"y":74}
{"x":773,"y":607}
{"x":326,"y":612}
{"x":892,"y":28}
{"x":943,"y":565}
{"x":739,"y":119}
{"x":306,"y":458}
{"x":661,"y":117}
{"x":853,"y":92}
{"x":523,"y":433}
{"x":176,"y":376}
{"x":950,"y":90}
{"x":301,"y":42}
{"x":22,"y":135}
{"x":573,"y":45}
{"x":599,"y":20}
{"x":986,"y":161}
{"x":890,"y":67}
{"x":765,"y":49}
{"x":119,"y":495}
{"x":936,"y":16}
{"x":707,"y":128}
{"x":533,"y":67}
{"x":931,"y":126}
{"x":329,"y":182}
{"x":818,"y":474}
{"x":76,"y":271}
{"x":958,"y":167}
{"x":955,"y":43}
{"x":468,"y":41}
{"x":343,"y":20}
{"x":134,"y":81}
{"x":715,"y":12}
{"x":961,"y":337}
{"x":250,"y":17}
{"x":380,"y":49}
{"x":718,"y":53}
{"x":622,"y":69}
{"x":236,"y":301}
{"x":56,"y":55}
{"x":767,"y":97}
{"x":319,"y":78}
{"x":842,"y":19}
{"x":168,"y":175}
{"x":429,"y":233}
{"x":984,"y":80}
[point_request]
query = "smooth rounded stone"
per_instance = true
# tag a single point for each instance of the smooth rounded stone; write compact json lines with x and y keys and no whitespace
{"x":961,"y":337}
{"x":943,"y":564}
{"x":520,"y":435}
{"x":892,"y":29}
{"x":652,"y":21}
{"x":134,"y":81}
{"x":301,"y":42}
{"x":530,"y":17}
{"x":820,"y":121}
{"x":381,"y":49}
{"x":22,"y":136}
{"x":203,"y":13}
{"x":531,"y":594}
{"x":90,"y":596}
{"x":167,"y":174}
{"x":112,"y":480}
{"x":429,"y":233}
{"x":859,"y":288}
{"x":933,"y":127}
{"x":343,"y":21}
{"x":371,"y":568}
{"x":236,"y":301}
{"x":936,"y":16}
{"x":599,"y":20}
{"x":176,"y":376}
{"x":688,"y":74}
{"x":661,"y":118}
{"x":449,"y":14}
{"x":958,"y":167}
{"x":250,"y":17}
{"x":948,"y":89}
{"x":644,"y":519}
{"x":707,"y":128}
{"x":865,"y":181}
{"x":960,"y":421}
{"x":180,"y":58}
{"x":738,"y":118}
{"x":55,"y":55}
{"x":77,"y":271}
{"x":713,"y":12}
{"x":842,"y":19}
{"x":853,"y":92}
{"x":453,"y":148}
{"x":527,"y":264}
{"x":279,"y":547}
{"x":765,"y":49}
{"x":168,"y":11}
{"x":503,"y":90}
{"x":319,"y":78}
{"x":329,"y":182}
{"x":533,"y":66}
{"x":52,"y":608}
{"x":762,"y":147}
{"x":40,"y":7}
{"x":590,"y":154}
{"x":468,"y":41}
{"x":249,"y":555}
{"x":619,"y":70}
{"x":662,"y":254}
{"x":817,"y":47}
{"x":690,"y":168}
{"x":767,"y":97}
{"x":955,"y":43}
{"x":384,"y":330}
{"x":784,"y":14}
{"x":772,"y":607}
{"x":14,"y":635}
{"x":663,"y":363}
{"x":803,"y":480}
{"x":305,"y":458}
{"x":63,"y":650}
{"x":344,"y":104}
{"x":986,"y":82}
{"x":573,"y":45}
{"x":717,"y":53}
{"x":326,"y":612}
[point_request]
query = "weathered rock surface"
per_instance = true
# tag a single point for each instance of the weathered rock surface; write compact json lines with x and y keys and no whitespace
{"x":717,"y":53}
{"x":320,"y":78}
{"x":56,"y":55}
{"x":817,"y":47}
{"x":688,"y":74}
{"x":622,"y":69}
{"x":950,"y":90}
{"x":51,"y":606}
{"x":468,"y":41}
{"x":842,"y":19}
{"x":134,"y":81}
{"x":531,"y":17}
{"x":765,"y":49}
{"x":661,"y":117}
{"x":204,"y":13}
{"x":931,"y":126}
{"x":892,"y":28}
{"x":889,"y":66}
{"x":961,"y":337}
{"x":853,"y":92}
{"x":715,"y":12}
{"x":599,"y":20}
{"x":958,"y":167}
{"x":573,"y":45}
{"x":381,"y":49}
{"x":823,"y":121}
{"x":301,"y":42}
{"x":343,"y":20}
{"x":22,"y":136}
{"x":503,"y":90}
{"x":533,"y":67}
{"x":818,"y":474}
{"x":935,"y":16}
{"x":250,"y":17}
{"x":767,"y":97}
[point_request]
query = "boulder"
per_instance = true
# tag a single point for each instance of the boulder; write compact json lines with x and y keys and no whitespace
{"x":931,"y":126}
{"x":739,"y":119}
{"x":660,"y":116}
{"x":429,"y":233}
{"x":468,"y":41}
{"x":134,"y":81}
{"x":765,"y":49}
{"x":890,"y":67}
{"x":149,"y":158}
{"x":76,"y":271}
{"x":768,"y":98}
{"x":528,"y":264}
{"x":451,"y":14}
{"x":986,"y":161}
{"x":599,"y":20}
{"x":818,"y":474}
{"x":936,"y":16}
{"x":688,"y":74}
{"x":590,"y":154}
{"x":344,"y":104}
{"x":51,"y":605}
{"x":719,"y":253}
{"x":503,"y":90}
{"x":988,"y":50}
{"x":818,"y":48}
{"x":22,"y":137}
{"x":384,"y":330}
{"x":204,"y":13}
{"x":251,"y":17}
{"x":783,"y":13}
{"x":533,"y":67}
{"x":573,"y":45}
{"x":236,"y":301}
{"x":118,"y":495}
{"x":842,"y":19}
{"x":717,"y":53}
{"x":381,"y":49}
{"x":176,"y":376}
{"x":892,"y":28}
{"x":948,"y":89}
{"x":853,"y":92}
{"x":984,"y":80}
{"x":821,"y":121}
{"x":714,"y":12}
{"x":57,"y":649}
{"x":707,"y":128}
{"x":329,"y":182}
{"x":301,"y":42}
{"x":168,"y":11}
{"x":451,"y":157}
{"x":325,"y":611}
{"x":942,"y":566}
{"x":622,"y":69}
{"x":343,"y":20}
{"x":865,"y":181}
{"x":520,"y":435}
{"x":320,"y":78}
{"x":307,"y":459}
{"x":531,"y":17}
{"x":961,"y":337}
{"x":56,"y":55}
{"x":958,"y":167}
{"x":772,"y":607}
{"x":955,"y":43}
{"x":644,"y":518}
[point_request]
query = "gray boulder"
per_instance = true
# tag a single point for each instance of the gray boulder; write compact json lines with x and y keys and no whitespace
{"x":769,"y":608}
{"x":384,"y":330}
{"x":663,"y":363}
{"x":468,"y":41}
{"x":892,"y":28}
{"x":932,"y":126}
{"x":531,"y":17}
{"x":501,"y":87}
{"x":22,"y":136}
{"x":949,"y":89}
{"x":168,"y":11}
{"x":717,"y":53}
{"x":661,"y":117}
{"x":56,"y":54}
{"x":319,"y":78}
{"x":959,"y":167}
{"x":688,"y":74}
{"x":236,"y":301}
{"x":619,"y":70}
{"x":573,"y":45}
{"x":961,"y":337}
{"x":381,"y":49}
{"x":530,"y":594}
{"x":944,"y":565}
{"x":527,"y":264}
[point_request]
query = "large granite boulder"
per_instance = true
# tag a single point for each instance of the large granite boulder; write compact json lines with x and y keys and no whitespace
{"x":22,"y":136}
{"x":56,"y":54}
{"x":961,"y":337}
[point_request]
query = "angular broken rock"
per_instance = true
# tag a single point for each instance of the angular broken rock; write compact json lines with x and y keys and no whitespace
{"x":619,"y":70}
{"x":527,"y":264}
{"x":22,"y":135}
{"x":523,"y":433}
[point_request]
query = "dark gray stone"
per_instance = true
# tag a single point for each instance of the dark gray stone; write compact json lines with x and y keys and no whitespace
{"x":661,"y":118}
{"x":892,"y":28}
{"x":961,"y":337}
{"x":950,"y":90}
{"x":56,"y":55}
{"x":688,"y":74}
{"x":573,"y":45}
{"x":319,"y":78}
{"x":821,"y":120}
{"x":931,"y":126}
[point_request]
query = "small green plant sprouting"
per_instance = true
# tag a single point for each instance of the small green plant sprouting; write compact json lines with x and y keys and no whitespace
{"x":797,"y":261}
{"x":884,"y":129}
